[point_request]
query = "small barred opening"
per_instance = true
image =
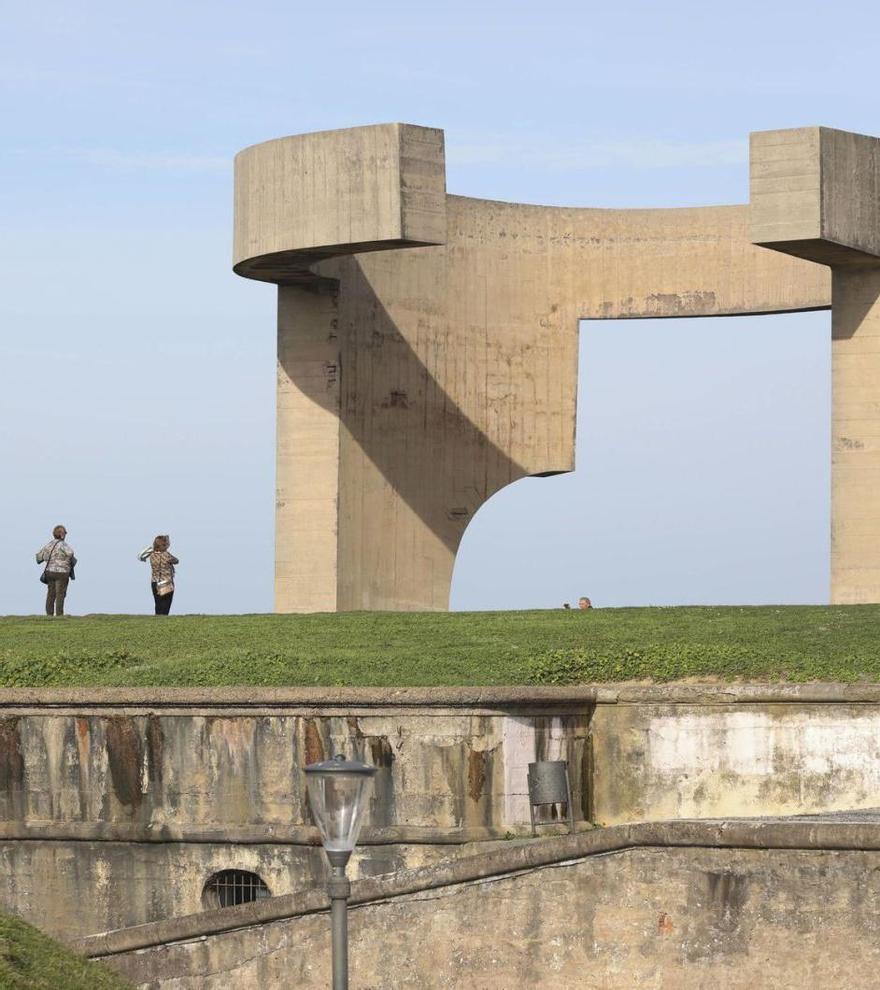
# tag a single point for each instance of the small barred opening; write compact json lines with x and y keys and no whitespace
{"x":230,"y":887}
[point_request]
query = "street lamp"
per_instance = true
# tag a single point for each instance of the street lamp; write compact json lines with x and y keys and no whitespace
{"x":338,"y":790}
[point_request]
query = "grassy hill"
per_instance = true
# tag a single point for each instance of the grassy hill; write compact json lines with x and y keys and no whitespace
{"x":797,"y":643}
{"x":29,"y":960}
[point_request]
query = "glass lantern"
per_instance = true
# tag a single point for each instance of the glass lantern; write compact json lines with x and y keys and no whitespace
{"x":338,"y":792}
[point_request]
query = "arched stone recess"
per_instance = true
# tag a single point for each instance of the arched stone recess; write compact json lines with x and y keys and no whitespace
{"x":428,"y":342}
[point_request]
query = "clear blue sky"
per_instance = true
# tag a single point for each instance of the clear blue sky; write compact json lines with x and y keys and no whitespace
{"x":137,"y":372}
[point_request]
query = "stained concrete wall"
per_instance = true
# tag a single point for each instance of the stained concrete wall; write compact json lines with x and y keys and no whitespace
{"x":71,"y":888}
{"x":116,"y":812}
{"x":654,"y":761}
{"x":740,"y":905}
{"x":174,"y":772}
{"x":108,"y":796}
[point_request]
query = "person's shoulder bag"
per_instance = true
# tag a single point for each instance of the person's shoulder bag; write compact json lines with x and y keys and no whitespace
{"x":44,"y":577}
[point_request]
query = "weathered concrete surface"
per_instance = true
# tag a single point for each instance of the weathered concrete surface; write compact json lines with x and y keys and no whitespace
{"x":479,"y":699}
{"x":654,"y":761}
{"x":116,"y":813}
{"x":740,"y":904}
{"x":164,"y":771}
{"x":298,"y":200}
{"x":415,"y":383}
{"x":816,"y":194}
{"x":106,"y":793}
{"x":855,"y":440}
{"x":75,"y":888}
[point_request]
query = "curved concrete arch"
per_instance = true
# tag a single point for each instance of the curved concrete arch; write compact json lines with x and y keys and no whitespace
{"x":493,"y":510}
{"x":428,"y":342}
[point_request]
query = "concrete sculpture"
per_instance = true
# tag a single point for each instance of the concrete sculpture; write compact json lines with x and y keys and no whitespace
{"x":427,"y":343}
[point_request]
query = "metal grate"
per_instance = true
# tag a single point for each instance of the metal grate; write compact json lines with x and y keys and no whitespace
{"x":230,"y":887}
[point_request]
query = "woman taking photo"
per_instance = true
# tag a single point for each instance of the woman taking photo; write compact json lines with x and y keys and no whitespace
{"x":161,"y":572}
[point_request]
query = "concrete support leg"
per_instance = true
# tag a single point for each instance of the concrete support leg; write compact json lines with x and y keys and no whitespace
{"x":814,"y":196}
{"x":855,"y":485}
{"x":307,"y":459}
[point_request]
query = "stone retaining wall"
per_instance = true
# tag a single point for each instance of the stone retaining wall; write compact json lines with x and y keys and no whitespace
{"x":689,"y":905}
{"x":116,"y":805}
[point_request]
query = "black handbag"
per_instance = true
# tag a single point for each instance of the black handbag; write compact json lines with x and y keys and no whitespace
{"x":44,"y":577}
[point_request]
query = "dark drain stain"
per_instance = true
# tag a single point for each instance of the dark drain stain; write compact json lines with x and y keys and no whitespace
{"x":476,"y":773}
{"x":314,"y":743}
{"x":11,"y":767}
{"x":125,"y":755}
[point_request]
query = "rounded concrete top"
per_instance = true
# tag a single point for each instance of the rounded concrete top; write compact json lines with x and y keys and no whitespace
{"x":311,"y":196}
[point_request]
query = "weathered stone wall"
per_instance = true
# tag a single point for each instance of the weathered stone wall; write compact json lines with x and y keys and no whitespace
{"x":116,"y":807}
{"x":683,"y":906}
{"x":117,"y":812}
{"x":654,"y":761}
{"x":202,"y":768}
{"x":73,"y":889}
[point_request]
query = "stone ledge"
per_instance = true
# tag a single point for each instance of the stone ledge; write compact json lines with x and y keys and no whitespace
{"x":267,"y":834}
{"x":308,"y":700}
{"x":859,"y":831}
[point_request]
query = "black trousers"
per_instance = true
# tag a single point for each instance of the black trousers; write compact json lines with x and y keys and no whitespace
{"x":162,"y":602}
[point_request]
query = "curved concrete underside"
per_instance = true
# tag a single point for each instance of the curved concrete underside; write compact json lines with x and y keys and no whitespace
{"x":427,"y":343}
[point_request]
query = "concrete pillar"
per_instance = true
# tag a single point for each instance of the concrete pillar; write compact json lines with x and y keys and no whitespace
{"x":815,"y":194}
{"x":300,"y":203}
{"x":307,"y":450}
{"x":855,"y":436}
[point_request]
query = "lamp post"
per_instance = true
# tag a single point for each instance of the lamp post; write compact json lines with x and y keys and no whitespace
{"x":338,"y":790}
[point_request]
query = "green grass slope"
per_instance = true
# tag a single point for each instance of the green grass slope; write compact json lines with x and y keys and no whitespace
{"x":839,"y":643}
{"x":30,"y":960}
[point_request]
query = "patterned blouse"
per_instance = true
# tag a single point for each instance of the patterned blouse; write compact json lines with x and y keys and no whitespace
{"x":161,"y":564}
{"x":58,"y":557}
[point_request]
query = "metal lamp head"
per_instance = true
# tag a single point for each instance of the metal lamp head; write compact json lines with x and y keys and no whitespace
{"x":338,"y":791}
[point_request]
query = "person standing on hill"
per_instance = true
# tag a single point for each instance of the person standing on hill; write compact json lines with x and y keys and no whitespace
{"x":59,"y":561}
{"x":161,"y":572}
